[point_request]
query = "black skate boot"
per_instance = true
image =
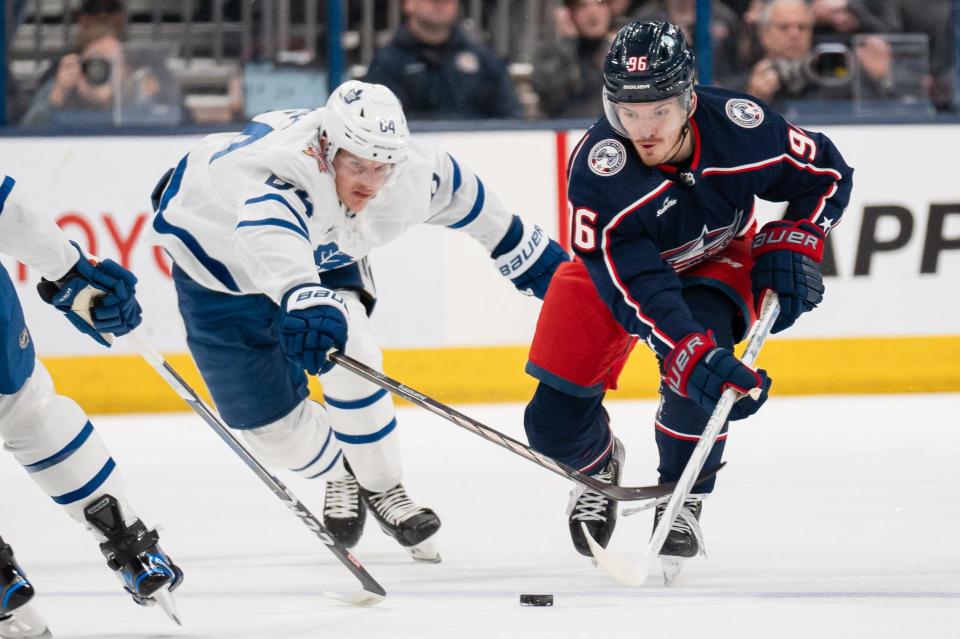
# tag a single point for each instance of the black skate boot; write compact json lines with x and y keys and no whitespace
{"x":411,"y":525}
{"x":344,"y":513}
{"x":18,"y":619}
{"x":685,"y":539}
{"x":134,"y":554}
{"x":594,"y":510}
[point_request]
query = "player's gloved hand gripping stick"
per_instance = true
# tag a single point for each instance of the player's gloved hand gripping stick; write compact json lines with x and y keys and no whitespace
{"x":630,"y":573}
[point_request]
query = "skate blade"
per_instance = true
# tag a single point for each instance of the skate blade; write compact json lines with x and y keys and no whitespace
{"x":363,"y":598}
{"x":426,"y":551}
{"x":621,"y":569}
{"x":671,"y":567}
{"x":24,"y":623}
{"x":168,"y":604}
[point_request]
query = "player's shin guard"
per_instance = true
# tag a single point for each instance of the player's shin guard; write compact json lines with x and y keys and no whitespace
{"x":132,"y":552}
{"x":571,"y":429}
{"x":302,"y":441}
{"x":50,"y":435}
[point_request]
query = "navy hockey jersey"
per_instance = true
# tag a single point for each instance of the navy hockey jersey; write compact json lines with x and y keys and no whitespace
{"x":637,"y":227}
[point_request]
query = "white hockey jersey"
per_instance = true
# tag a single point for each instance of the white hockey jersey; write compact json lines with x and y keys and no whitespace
{"x":258,"y":212}
{"x":32,"y":237}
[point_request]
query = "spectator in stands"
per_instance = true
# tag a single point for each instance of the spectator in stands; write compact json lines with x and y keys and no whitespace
{"x":623,"y":11}
{"x":785,"y":73}
{"x":935,"y":19}
{"x":103,"y":13}
{"x":844,"y":18}
{"x":568,"y":72}
{"x":438,"y":72}
{"x":89,"y":82}
{"x":725,"y":29}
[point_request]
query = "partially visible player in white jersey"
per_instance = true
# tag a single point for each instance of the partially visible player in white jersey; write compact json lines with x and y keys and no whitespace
{"x":48,"y":433}
{"x":269,"y":232}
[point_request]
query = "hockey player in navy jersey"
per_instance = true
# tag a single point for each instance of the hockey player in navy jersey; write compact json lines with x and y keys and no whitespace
{"x":48,"y":433}
{"x":269,"y":232}
{"x":661,"y":191}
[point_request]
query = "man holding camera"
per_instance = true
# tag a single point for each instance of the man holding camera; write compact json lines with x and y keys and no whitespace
{"x":90,"y":83}
{"x":792,"y":69}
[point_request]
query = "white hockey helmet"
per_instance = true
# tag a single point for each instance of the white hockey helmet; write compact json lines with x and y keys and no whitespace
{"x":366,"y":120}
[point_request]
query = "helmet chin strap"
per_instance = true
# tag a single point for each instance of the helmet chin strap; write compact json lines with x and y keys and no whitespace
{"x":679,"y":145}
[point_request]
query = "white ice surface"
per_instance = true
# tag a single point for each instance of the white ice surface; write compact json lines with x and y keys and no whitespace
{"x":835,"y":517}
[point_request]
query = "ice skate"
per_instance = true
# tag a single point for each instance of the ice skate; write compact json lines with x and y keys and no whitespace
{"x":597,"y":512}
{"x":18,"y":616}
{"x":344,"y":513}
{"x":411,"y":525}
{"x":134,"y":554}
{"x":685,"y":539}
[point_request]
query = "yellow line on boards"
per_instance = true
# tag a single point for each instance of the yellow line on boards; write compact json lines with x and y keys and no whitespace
{"x":124,"y":383}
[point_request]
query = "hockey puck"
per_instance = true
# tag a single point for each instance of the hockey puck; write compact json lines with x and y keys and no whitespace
{"x":536,"y":600}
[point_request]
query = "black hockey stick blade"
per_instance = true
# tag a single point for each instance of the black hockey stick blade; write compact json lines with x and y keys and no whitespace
{"x":618,"y":493}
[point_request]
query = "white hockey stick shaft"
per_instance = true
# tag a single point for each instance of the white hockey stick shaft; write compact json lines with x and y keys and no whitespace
{"x":372,"y":592}
{"x":761,"y":330}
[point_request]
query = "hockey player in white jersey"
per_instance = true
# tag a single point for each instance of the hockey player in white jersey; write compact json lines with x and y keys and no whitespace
{"x":48,"y":433}
{"x":269,"y":232}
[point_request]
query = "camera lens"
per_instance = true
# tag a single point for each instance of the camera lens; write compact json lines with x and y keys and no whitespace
{"x":96,"y":71}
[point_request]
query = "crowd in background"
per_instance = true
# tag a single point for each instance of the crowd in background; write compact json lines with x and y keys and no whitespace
{"x":794,"y":54}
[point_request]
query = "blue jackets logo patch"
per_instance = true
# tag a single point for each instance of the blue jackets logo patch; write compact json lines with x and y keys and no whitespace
{"x":745,"y":113}
{"x":607,"y":157}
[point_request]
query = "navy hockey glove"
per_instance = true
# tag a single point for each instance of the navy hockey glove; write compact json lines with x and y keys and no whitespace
{"x":528,"y":257}
{"x":786,"y":260}
{"x":314,"y":322}
{"x":97,"y":297}
{"x":697,"y":368}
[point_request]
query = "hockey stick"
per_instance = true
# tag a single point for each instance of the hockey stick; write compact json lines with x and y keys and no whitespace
{"x":372,"y":592}
{"x":630,"y":573}
{"x":619,"y":493}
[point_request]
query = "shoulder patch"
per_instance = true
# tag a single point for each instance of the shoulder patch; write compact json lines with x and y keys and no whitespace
{"x":607,"y":157}
{"x":745,"y":113}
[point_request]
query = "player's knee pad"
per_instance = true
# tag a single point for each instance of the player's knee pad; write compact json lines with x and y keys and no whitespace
{"x":571,"y":429}
{"x":55,"y":442}
{"x":301,"y":441}
{"x":361,"y":412}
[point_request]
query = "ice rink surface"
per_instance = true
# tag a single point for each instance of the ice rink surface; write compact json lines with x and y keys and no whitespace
{"x":836,"y":517}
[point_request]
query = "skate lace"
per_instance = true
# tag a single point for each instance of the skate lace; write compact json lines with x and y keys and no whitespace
{"x":686,"y":522}
{"x":394,"y":505}
{"x":587,"y":504}
{"x":342,"y":499}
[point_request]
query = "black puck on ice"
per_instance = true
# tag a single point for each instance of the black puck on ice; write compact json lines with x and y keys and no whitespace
{"x":536,"y":600}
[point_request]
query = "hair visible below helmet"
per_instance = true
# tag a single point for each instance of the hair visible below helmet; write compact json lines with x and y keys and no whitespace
{"x":647,"y":62}
{"x":366,"y":120}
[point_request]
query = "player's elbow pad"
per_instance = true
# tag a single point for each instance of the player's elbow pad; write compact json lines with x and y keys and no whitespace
{"x":528,"y":257}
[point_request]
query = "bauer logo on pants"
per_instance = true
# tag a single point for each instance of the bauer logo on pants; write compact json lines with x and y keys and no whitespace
{"x":607,"y":157}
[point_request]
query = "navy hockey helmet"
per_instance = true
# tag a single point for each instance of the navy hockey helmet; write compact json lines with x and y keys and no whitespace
{"x":647,"y":62}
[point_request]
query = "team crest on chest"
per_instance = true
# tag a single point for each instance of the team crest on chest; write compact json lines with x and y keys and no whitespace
{"x":745,"y":113}
{"x":24,"y":338}
{"x":607,"y":157}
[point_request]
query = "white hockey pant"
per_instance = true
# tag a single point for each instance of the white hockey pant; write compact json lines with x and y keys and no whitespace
{"x":361,"y":412}
{"x":53,"y":439}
